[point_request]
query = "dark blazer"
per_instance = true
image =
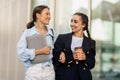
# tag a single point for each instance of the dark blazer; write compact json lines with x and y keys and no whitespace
{"x":67,"y":70}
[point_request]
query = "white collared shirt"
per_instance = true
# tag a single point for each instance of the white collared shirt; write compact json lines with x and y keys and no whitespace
{"x":26,"y":54}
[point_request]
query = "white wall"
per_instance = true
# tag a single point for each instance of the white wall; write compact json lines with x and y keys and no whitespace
{"x":63,"y":13}
{"x":14,"y":14}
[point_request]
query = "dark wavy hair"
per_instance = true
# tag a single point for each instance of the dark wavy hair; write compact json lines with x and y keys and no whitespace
{"x":37,"y":9}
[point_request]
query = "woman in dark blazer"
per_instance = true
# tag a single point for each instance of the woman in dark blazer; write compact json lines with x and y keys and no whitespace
{"x":74,"y":53}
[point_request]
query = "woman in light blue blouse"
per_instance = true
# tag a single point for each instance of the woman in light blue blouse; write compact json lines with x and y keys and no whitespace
{"x":42,"y":70}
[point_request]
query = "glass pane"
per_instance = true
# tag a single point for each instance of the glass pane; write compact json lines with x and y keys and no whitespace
{"x":105,"y":28}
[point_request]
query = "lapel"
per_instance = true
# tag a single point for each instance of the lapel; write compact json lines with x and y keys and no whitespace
{"x":69,"y":41}
{"x":85,"y":44}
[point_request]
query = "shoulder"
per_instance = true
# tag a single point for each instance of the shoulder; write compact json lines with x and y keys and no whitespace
{"x":65,"y":35}
{"x":91,"y":41}
{"x":31,"y":29}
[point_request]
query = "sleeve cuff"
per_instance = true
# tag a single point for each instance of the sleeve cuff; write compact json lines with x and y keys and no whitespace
{"x":32,"y":54}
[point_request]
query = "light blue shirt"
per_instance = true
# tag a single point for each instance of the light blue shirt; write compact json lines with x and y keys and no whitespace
{"x":26,"y":54}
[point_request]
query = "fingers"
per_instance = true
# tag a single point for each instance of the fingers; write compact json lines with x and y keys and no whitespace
{"x":79,"y":56}
{"x":82,"y":57}
{"x":47,"y":49}
{"x":75,"y":56}
{"x":62,"y":57}
{"x":62,"y":60}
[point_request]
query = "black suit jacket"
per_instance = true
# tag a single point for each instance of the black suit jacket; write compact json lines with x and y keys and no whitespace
{"x":67,"y":70}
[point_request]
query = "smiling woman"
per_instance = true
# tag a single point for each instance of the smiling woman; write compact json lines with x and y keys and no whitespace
{"x":70,"y":62}
{"x":34,"y":71}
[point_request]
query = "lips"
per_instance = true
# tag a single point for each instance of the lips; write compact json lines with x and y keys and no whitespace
{"x":48,"y":19}
{"x":73,"y":27}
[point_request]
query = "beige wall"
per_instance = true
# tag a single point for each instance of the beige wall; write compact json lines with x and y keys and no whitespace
{"x":14,"y":14}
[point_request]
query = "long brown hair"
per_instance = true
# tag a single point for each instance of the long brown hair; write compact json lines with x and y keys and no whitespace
{"x":37,"y":9}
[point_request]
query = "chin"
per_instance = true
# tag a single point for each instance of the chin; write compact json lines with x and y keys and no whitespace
{"x":73,"y":30}
{"x":46,"y":23}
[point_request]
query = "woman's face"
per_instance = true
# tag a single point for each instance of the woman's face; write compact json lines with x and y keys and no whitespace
{"x":76,"y":23}
{"x":44,"y":17}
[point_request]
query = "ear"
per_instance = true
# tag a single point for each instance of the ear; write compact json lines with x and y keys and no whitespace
{"x":83,"y":26}
{"x":37,"y":15}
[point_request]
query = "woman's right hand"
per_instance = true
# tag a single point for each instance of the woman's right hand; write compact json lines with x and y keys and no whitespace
{"x":79,"y":55}
{"x":62,"y":57}
{"x":44,"y":50}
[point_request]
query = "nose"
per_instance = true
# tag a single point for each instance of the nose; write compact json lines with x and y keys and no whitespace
{"x":49,"y":16}
{"x":72,"y":23}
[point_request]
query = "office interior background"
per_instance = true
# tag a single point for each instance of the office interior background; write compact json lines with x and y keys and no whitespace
{"x":104,"y":26}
